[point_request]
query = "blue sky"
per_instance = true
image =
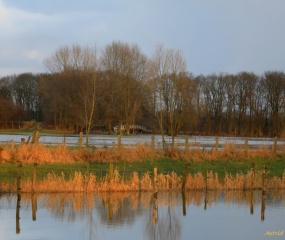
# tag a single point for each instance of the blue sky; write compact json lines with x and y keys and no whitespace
{"x":213,"y":35}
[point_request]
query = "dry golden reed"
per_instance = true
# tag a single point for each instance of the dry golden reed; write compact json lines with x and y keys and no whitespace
{"x":30,"y":153}
{"x":79,"y":182}
{"x":5,"y":155}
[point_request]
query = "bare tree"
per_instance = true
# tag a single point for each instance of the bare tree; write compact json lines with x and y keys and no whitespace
{"x":169,"y":74}
{"x":246,"y":92}
{"x":88,"y":66}
{"x":214,"y":93}
{"x":25,"y":93}
{"x":274,"y":85}
{"x":230,"y":88}
{"x":125,"y":71}
{"x":74,"y":79}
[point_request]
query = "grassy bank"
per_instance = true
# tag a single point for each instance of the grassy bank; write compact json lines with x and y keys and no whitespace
{"x":141,"y":159}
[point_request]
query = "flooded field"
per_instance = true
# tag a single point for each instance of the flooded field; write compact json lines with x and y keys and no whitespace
{"x":144,"y":215}
{"x":103,"y":141}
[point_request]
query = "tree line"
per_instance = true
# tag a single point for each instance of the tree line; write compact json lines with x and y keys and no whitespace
{"x":87,"y":90}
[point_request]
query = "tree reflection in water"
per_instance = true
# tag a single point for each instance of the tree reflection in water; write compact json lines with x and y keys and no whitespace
{"x":160,"y":212}
{"x":163,"y":224}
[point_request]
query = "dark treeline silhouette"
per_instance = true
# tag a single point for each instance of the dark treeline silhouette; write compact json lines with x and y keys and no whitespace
{"x":86,"y":92}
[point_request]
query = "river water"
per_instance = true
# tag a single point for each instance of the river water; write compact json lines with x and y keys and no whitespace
{"x":143,"y":215}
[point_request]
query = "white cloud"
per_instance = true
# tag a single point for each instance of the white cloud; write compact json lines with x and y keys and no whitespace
{"x":21,"y":44}
{"x":5,"y":16}
{"x":9,"y":17}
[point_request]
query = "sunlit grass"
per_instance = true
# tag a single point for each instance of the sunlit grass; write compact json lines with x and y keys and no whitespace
{"x":132,"y":168}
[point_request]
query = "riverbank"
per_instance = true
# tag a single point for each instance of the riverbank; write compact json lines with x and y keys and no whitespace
{"x":66,"y":167}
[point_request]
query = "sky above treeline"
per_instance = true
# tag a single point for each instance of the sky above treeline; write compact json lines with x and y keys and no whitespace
{"x":214,"y":36}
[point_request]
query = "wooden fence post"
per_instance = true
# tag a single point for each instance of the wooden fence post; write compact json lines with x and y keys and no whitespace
{"x":183,"y":203}
{"x":23,"y":141}
{"x":264,"y":177}
{"x":217,"y":143}
{"x":19,"y":175}
{"x":186,"y":144}
{"x":18,"y":230}
{"x":34,"y":182}
{"x":246,"y":146}
{"x":34,"y":207}
{"x":274,"y":147}
{"x":154,"y":209}
{"x":152,"y":143}
{"x":263,"y":200}
{"x":111,"y":171}
{"x":37,"y":136}
{"x":184,"y":177}
{"x":206,"y":200}
{"x":80,"y":141}
{"x":155,"y":181}
{"x":110,"y":210}
{"x":251,"y":203}
{"x":119,"y":141}
{"x":207,"y":176}
{"x":253,"y":175}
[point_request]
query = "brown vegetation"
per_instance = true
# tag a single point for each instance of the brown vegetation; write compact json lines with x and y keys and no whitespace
{"x":114,"y":181}
{"x":38,"y":153}
{"x":168,"y":182}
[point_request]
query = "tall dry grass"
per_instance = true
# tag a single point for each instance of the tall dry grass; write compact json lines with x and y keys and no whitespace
{"x":30,"y":153}
{"x":79,"y":182}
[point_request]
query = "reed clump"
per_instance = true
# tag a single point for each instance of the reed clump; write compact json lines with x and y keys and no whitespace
{"x":138,"y":153}
{"x":229,"y":151}
{"x":169,"y":181}
{"x":5,"y":155}
{"x":31,"y":153}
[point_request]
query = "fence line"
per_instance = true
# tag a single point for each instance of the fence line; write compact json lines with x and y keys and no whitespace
{"x":181,"y":142}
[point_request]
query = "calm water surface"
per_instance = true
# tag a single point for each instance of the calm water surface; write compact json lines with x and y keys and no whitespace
{"x":194,"y":215}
